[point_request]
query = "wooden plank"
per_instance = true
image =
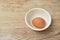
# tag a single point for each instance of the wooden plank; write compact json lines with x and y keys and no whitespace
{"x":12,"y":24}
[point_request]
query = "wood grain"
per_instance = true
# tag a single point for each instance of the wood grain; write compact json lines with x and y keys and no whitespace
{"x":12,"y":24}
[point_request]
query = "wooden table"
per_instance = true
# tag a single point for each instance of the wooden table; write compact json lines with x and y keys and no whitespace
{"x":12,"y":24}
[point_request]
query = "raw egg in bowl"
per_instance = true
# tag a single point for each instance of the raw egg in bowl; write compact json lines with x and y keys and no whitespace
{"x":38,"y":19}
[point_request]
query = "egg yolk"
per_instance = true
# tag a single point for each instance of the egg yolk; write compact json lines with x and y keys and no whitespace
{"x":38,"y":22}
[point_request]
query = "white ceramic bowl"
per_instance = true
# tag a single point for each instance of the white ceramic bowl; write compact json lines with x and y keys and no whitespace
{"x":37,"y":12}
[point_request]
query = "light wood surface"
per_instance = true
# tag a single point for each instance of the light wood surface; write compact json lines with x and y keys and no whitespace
{"x":12,"y":24}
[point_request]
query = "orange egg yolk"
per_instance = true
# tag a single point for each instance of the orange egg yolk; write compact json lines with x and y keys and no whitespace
{"x":39,"y":22}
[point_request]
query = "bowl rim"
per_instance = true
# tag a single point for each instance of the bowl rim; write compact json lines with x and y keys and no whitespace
{"x":37,"y":28}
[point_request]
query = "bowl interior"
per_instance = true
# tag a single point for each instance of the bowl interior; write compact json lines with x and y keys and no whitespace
{"x":37,"y":12}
